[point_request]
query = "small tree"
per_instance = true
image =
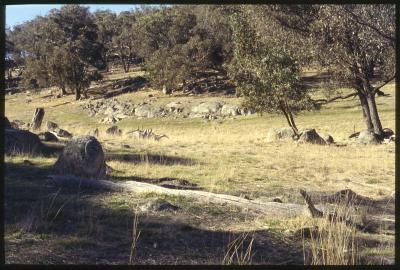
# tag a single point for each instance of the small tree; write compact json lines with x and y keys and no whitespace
{"x":75,"y":48}
{"x":266,"y":75}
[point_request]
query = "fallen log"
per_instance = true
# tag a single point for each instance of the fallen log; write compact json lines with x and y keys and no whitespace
{"x":271,"y":209}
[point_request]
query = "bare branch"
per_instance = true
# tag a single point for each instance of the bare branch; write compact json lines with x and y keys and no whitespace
{"x":384,"y":83}
{"x":326,"y":101}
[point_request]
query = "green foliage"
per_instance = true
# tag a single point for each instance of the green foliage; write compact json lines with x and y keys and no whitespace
{"x":266,"y":75}
{"x":125,"y":41}
{"x":35,"y":74}
{"x":105,"y":21}
{"x":178,"y":46}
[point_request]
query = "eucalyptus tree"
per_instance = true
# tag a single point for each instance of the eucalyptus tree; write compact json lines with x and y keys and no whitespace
{"x":266,"y":74}
{"x":106,"y":30}
{"x":125,"y":41}
{"x":75,"y":47}
{"x":356,"y":43}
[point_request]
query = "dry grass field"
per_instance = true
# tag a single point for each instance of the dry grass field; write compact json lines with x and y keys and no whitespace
{"x":230,"y":156}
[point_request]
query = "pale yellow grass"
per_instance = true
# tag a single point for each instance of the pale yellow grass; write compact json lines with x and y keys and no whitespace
{"x":232,"y":156}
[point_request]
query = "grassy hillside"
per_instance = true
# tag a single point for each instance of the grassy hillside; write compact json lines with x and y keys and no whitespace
{"x":225,"y":156}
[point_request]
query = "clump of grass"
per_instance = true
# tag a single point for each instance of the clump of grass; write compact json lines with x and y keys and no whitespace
{"x":237,"y":252}
{"x":135,"y":237}
{"x":333,"y":239}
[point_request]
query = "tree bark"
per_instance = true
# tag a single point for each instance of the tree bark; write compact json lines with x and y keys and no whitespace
{"x":37,"y":118}
{"x":366,"y":111}
{"x":77,"y":93}
{"x":289,"y":118}
{"x":376,"y":122}
{"x":292,"y":120}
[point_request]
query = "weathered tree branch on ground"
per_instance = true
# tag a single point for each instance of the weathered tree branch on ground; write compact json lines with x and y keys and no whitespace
{"x":270,"y":209}
{"x":267,"y":208}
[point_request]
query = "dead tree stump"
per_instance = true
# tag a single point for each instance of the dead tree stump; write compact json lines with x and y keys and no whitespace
{"x":37,"y":118}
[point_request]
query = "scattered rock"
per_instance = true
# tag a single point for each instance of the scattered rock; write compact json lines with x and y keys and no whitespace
{"x":279,"y":134}
{"x":311,"y":136}
{"x":114,"y":130}
{"x":48,"y":137}
{"x":51,"y":126}
{"x":176,"y":107}
{"x":230,"y":110}
{"x":146,"y":111}
{"x":17,"y":124}
{"x":63,"y":133}
{"x":21,"y":142}
{"x":82,"y":156}
{"x":109,"y":120}
{"x":206,"y":108}
{"x":158,"y":205}
{"x":387,"y":133}
{"x":367,"y":137}
{"x":328,"y":139}
{"x":278,"y":200}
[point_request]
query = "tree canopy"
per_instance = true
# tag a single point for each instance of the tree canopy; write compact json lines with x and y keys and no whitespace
{"x":264,"y":48}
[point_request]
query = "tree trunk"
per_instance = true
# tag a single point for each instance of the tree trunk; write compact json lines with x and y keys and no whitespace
{"x":37,"y":118}
{"x":63,"y":92}
{"x":376,"y":122}
{"x":366,"y":111}
{"x":77,"y":93}
{"x":294,"y":128}
{"x":292,"y":121}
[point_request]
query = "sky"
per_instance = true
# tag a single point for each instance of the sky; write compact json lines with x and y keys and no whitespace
{"x":16,"y":14}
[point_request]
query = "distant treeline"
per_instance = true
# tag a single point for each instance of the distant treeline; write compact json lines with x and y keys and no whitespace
{"x":259,"y":48}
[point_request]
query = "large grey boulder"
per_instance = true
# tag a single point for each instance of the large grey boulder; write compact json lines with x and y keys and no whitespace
{"x":82,"y":156}
{"x":21,"y":142}
{"x":210,"y":107}
{"x":367,"y":137}
{"x":311,"y":136}
{"x":276,"y":134}
{"x":230,"y":110}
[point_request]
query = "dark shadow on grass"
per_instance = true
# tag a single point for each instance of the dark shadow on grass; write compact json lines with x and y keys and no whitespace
{"x":88,"y":232}
{"x":150,"y":158}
